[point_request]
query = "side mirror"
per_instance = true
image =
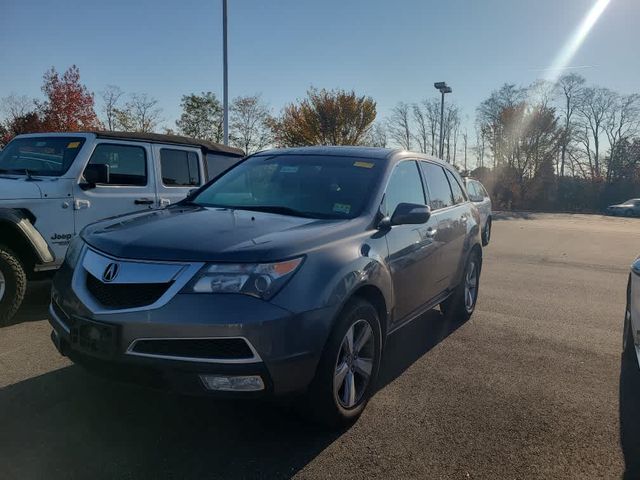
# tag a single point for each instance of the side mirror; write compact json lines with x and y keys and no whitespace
{"x":410,"y":214}
{"x":96,"y":173}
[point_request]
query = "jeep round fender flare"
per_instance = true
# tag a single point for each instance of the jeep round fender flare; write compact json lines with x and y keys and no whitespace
{"x":20,"y":223}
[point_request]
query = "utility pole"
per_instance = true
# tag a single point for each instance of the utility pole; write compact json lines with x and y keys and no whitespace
{"x":225,"y":74}
{"x":444,"y":88}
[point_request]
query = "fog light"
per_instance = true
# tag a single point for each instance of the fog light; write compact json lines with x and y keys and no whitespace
{"x":248,"y":383}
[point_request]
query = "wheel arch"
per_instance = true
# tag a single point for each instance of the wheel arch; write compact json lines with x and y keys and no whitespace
{"x":19,"y":235}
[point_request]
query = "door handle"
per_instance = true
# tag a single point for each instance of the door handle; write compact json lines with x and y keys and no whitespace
{"x":143,"y":201}
{"x":81,"y":204}
{"x":431,"y":232}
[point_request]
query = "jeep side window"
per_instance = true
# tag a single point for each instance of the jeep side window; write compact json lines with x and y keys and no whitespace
{"x":405,"y":186}
{"x":127,"y":163}
{"x":438,"y":185}
{"x":179,"y":168}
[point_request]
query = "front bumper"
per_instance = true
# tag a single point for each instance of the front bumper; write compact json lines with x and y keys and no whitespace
{"x":287,"y":345}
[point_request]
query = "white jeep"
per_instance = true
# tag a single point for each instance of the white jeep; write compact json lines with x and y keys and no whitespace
{"x":54,"y":184}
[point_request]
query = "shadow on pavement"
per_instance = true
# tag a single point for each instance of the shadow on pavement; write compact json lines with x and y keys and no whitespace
{"x":630,"y":415}
{"x":69,"y":424}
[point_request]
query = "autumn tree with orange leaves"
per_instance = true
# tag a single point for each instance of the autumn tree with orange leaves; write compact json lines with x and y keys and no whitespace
{"x":69,"y":106}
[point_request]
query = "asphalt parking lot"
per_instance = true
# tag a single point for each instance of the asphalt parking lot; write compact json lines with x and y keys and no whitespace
{"x":533,"y":386}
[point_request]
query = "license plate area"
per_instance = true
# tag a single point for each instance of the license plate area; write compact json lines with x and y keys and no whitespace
{"x":94,"y":338}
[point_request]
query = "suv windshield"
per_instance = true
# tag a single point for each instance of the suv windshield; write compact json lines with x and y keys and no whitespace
{"x":315,"y":186}
{"x":50,"y":156}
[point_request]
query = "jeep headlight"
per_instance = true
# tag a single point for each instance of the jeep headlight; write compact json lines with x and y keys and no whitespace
{"x":74,"y":251}
{"x":262,"y":280}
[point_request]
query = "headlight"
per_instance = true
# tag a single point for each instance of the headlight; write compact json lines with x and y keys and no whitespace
{"x":73,"y":251}
{"x":262,"y":280}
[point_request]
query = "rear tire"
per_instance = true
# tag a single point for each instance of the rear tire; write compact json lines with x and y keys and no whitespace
{"x":340,"y":390}
{"x":486,"y":233}
{"x":462,"y":302}
{"x":13,"y":284}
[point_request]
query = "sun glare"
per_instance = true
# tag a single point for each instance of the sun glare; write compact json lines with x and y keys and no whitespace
{"x":577,"y":38}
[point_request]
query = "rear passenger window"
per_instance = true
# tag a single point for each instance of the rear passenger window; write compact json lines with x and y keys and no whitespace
{"x":456,"y":188}
{"x":405,"y":186}
{"x":216,"y":164}
{"x":127,"y":163}
{"x":179,"y":168}
{"x":439,"y":190}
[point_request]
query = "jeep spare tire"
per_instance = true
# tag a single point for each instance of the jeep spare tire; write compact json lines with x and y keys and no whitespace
{"x":13,"y":284}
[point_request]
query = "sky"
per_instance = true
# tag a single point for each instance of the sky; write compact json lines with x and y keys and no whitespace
{"x":391,"y":50}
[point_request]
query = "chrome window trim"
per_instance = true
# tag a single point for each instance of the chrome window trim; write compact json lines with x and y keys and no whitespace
{"x":254,"y":359}
{"x":180,"y":279}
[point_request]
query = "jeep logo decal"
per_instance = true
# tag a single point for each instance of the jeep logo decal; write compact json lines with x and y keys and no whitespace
{"x":111,"y":272}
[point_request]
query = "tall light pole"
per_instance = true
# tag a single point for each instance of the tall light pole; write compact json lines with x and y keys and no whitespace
{"x":444,"y":88}
{"x":225,"y":75}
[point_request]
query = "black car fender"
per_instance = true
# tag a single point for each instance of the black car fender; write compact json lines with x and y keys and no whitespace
{"x":16,"y":224}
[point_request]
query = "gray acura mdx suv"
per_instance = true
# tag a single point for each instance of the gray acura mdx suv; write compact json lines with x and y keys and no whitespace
{"x":285,"y":274}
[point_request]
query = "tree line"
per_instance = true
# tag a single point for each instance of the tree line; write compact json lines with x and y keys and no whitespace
{"x":564,"y":145}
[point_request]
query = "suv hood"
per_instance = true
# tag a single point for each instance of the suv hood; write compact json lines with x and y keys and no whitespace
{"x":188,"y":233}
{"x":17,"y":188}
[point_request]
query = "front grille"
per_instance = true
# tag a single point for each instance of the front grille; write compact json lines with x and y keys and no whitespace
{"x":125,"y":295}
{"x":210,"y":348}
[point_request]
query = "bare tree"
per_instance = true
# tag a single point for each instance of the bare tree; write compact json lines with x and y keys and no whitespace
{"x":451,"y":129}
{"x":399,"y":125}
{"x":140,"y":114}
{"x":594,"y":107}
{"x":250,"y":123}
{"x":465,"y":140}
{"x":570,"y":88}
{"x":15,"y":107}
{"x":422,"y":126}
{"x":377,"y":136}
{"x":432,"y":113}
{"x":622,"y":122}
{"x":110,"y":98}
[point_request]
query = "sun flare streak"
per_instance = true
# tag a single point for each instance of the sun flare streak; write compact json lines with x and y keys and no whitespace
{"x":578,"y":37}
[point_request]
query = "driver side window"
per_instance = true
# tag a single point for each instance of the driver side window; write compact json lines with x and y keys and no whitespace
{"x":405,"y":186}
{"x":127,"y":163}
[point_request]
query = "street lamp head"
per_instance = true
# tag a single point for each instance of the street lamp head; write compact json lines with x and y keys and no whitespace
{"x":440,"y":85}
{"x":447,"y":90}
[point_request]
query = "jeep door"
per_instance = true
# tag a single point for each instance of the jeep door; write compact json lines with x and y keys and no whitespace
{"x":130,"y":186}
{"x":180,"y":170}
{"x":413,"y":251}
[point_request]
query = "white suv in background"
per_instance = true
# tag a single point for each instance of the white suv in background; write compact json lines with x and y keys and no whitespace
{"x":480,"y":198}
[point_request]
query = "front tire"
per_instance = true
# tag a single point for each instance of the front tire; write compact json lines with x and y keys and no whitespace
{"x":486,"y":233}
{"x":628,"y":347}
{"x":462,"y":302}
{"x":346,"y":376}
{"x":13,"y":284}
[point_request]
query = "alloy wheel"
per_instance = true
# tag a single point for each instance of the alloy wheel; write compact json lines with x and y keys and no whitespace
{"x":354,"y":364}
{"x":3,"y":285}
{"x":471,"y":286}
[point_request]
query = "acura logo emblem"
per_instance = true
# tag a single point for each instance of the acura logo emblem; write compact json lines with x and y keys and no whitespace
{"x":111,"y":272}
